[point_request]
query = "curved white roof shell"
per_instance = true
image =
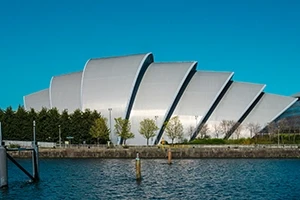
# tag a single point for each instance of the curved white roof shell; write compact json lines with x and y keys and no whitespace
{"x":234,"y":104}
{"x":111,"y":83}
{"x":157,"y":92}
{"x":65,"y":92}
{"x":134,"y":87}
{"x":202,"y":91}
{"x":267,"y":109}
{"x":37,"y":100}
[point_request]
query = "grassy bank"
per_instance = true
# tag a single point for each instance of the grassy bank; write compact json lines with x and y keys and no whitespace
{"x":178,"y":152}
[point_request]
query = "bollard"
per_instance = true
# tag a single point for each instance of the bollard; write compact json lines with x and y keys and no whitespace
{"x":3,"y":167}
{"x":169,"y":156}
{"x":35,"y":156}
{"x":3,"y":162}
{"x":35,"y":162}
{"x":138,"y":167}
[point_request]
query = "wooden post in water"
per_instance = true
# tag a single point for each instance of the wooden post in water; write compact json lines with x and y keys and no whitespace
{"x":3,"y":163}
{"x":138,"y":167}
{"x":169,"y":156}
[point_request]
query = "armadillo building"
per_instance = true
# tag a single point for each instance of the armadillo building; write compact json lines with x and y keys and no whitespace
{"x":135,"y":87}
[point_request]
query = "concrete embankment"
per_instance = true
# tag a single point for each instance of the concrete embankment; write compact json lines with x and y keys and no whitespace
{"x":158,"y":152}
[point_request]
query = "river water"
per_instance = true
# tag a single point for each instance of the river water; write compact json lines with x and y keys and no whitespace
{"x":184,"y":179}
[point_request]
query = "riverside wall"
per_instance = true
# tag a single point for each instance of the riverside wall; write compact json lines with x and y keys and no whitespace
{"x":161,"y":152}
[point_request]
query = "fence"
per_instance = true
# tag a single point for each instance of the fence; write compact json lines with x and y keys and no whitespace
{"x":29,"y":143}
{"x":55,"y":145}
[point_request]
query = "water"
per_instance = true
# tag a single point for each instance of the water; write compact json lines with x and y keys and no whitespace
{"x":185,"y":179}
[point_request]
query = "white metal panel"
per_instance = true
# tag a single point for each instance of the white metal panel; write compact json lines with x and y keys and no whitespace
{"x":267,"y":109}
{"x":109,"y":83}
{"x":199,"y":96}
{"x":65,"y":92}
{"x":234,"y":104}
{"x":156,"y":94}
{"x":37,"y":100}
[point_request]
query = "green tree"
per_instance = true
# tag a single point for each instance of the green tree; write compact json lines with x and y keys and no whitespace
{"x":148,"y":129}
{"x":42,"y":125}
{"x":122,"y":129}
{"x":24,"y":130}
{"x":1,"y":115}
{"x":1,"y":118}
{"x":88,"y":119}
{"x":9,"y":127}
{"x":53,"y":119}
{"x":174,"y":129}
{"x":76,"y":126}
{"x":100,"y":131}
{"x":65,"y":125}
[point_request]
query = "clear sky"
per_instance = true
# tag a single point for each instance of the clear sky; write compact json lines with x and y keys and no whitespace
{"x":257,"y":39}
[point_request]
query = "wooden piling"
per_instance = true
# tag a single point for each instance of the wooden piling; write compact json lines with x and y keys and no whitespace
{"x":138,"y":167}
{"x":169,"y":156}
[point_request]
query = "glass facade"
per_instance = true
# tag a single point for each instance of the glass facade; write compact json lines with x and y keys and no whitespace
{"x":292,"y":115}
{"x":293,"y":111}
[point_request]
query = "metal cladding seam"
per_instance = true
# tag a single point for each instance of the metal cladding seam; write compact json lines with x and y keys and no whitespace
{"x":156,"y":94}
{"x":198,"y":97}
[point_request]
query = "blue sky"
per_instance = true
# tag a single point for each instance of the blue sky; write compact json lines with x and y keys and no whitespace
{"x":258,"y":40}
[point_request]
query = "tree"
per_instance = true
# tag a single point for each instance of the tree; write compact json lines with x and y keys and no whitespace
{"x":226,"y":125}
{"x":272,"y":129}
{"x":8,"y":124}
{"x":282,"y":126}
{"x":65,"y":124}
{"x":191,"y":130}
{"x":53,"y":116}
{"x":238,"y":130}
{"x":32,"y":116}
{"x":204,"y":130}
{"x":99,"y":130}
{"x":76,"y":119}
{"x":88,"y":121}
{"x":1,"y":117}
{"x":42,"y":125}
{"x":223,"y":126}
{"x":254,"y":129}
{"x":217,"y":130}
{"x":148,"y":129}
{"x":174,"y":129}
{"x":122,"y":129}
{"x":24,"y":130}
{"x":293,"y":126}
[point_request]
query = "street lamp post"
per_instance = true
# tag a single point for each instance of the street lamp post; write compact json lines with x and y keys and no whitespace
{"x":110,"y":132}
{"x":59,"y":136}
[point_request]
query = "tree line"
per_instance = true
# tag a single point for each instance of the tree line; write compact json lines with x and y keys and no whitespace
{"x":91,"y":127}
{"x":18,"y":125}
{"x":83,"y":126}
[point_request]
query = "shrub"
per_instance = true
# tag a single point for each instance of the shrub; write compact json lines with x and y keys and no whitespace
{"x":13,"y":146}
{"x":208,"y":141}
